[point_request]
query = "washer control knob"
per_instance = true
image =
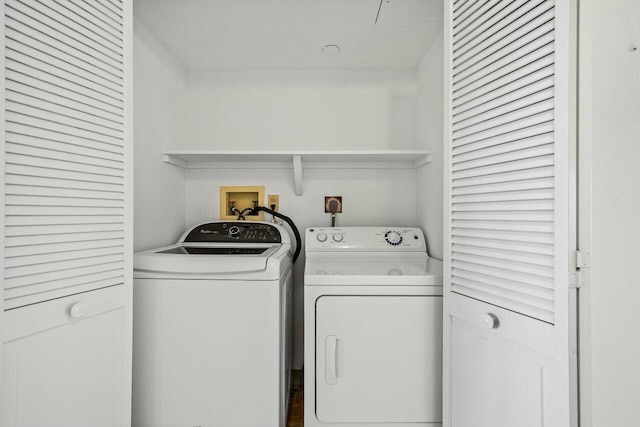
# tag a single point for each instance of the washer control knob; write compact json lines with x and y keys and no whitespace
{"x":338,"y":237}
{"x":234,"y":230}
{"x":321,"y":237}
{"x":393,"y":238}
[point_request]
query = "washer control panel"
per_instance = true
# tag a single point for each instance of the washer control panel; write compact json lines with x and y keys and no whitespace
{"x":364,"y":239}
{"x":234,"y":231}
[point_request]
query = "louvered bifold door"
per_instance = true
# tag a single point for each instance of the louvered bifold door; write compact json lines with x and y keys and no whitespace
{"x":64,"y":213}
{"x":502,"y":154}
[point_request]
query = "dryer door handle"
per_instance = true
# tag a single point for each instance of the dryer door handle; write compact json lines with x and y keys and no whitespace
{"x":332,"y":347}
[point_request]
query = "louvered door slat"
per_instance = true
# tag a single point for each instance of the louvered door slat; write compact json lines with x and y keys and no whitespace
{"x":503,"y":155}
{"x":64,"y":149}
{"x":52,"y":248}
{"x":25,"y":144}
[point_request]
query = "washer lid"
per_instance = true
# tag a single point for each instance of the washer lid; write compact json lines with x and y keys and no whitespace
{"x":367,"y":269}
{"x":206,"y":259}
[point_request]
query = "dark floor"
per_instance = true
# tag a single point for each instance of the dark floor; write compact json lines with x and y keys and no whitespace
{"x":296,"y":400}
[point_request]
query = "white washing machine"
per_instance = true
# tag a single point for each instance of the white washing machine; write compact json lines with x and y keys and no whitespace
{"x":212,"y":328}
{"x":373,"y":328}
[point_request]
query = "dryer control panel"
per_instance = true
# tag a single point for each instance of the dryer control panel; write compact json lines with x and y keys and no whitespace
{"x":234,"y":232}
{"x":374,"y":239}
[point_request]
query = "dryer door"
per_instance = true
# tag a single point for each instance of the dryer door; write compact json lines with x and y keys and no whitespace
{"x":378,"y":358}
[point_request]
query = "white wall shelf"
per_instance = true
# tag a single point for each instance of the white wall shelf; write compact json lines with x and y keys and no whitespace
{"x":298,"y":160}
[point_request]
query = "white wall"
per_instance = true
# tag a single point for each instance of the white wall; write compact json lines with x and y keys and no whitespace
{"x":609,"y":148}
{"x":312,"y":110}
{"x":371,"y":197}
{"x":429,"y":133}
{"x":159,"y":194}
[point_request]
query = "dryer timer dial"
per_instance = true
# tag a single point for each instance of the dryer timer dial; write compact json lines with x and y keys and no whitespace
{"x":393,"y":238}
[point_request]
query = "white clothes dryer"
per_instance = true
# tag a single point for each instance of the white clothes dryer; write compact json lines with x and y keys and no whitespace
{"x":212,"y":328}
{"x":373,"y":328}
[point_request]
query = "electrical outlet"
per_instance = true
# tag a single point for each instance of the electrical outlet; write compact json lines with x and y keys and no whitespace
{"x":332,"y":204}
{"x":274,"y":202}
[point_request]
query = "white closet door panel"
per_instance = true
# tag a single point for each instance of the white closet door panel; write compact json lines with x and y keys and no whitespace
{"x":25,"y":251}
{"x":64,"y":148}
{"x":503,"y":155}
{"x":38,"y":75}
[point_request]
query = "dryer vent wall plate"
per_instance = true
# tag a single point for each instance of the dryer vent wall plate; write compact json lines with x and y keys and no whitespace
{"x":332,"y":204}
{"x":240,"y":198}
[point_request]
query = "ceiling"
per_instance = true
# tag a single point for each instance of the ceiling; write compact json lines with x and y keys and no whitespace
{"x":291,"y":34}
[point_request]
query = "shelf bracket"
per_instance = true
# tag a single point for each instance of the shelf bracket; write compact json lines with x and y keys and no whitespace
{"x":297,"y":174}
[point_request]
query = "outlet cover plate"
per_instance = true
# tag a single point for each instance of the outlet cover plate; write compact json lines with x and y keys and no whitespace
{"x":332,"y":199}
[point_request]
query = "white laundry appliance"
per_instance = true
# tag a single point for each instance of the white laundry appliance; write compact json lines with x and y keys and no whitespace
{"x":212,"y":328}
{"x":373,"y":328}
